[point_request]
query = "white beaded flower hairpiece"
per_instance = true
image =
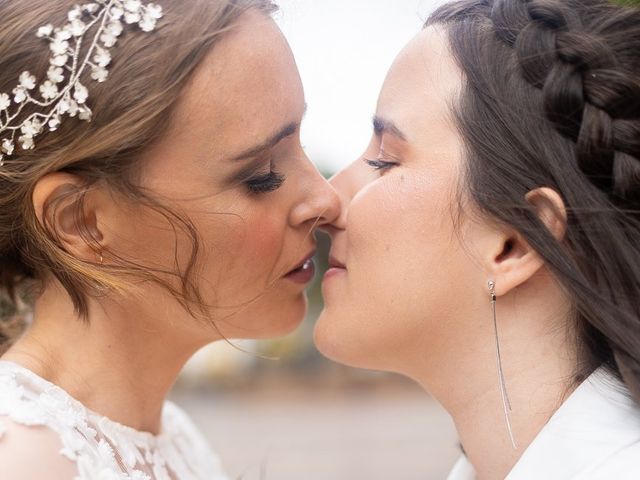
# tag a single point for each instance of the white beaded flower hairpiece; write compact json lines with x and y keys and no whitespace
{"x":62,"y":93}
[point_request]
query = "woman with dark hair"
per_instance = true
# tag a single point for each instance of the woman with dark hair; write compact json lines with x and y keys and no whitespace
{"x":154,"y":198}
{"x":489,"y":245}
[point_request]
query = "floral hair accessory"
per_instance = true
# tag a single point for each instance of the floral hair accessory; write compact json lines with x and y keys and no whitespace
{"x":62,"y":93}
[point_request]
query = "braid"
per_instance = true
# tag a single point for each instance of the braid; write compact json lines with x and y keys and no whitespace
{"x":552,"y":98}
{"x":589,"y":94}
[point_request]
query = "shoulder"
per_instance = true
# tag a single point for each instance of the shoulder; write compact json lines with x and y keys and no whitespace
{"x":42,"y":433}
{"x":28,"y":452}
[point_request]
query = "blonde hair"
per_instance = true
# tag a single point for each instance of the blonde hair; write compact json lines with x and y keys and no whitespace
{"x":131,"y":109}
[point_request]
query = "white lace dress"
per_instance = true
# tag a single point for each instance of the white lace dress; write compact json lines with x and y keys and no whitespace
{"x":102,"y":449}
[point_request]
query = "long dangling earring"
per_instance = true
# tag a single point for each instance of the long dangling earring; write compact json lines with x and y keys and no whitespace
{"x":506,"y":404}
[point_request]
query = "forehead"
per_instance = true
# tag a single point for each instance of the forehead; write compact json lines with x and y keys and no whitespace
{"x":422,"y":85}
{"x":248,"y":85}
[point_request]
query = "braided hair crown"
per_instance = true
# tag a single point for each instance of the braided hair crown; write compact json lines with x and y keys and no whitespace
{"x":590,"y":80}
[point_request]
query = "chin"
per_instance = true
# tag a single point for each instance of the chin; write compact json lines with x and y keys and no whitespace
{"x":282,"y":319}
{"x":345,"y":338}
{"x":333,"y":341}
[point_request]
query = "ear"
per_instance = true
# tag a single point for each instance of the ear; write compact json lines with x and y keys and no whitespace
{"x":513,"y":262}
{"x":57,"y":203}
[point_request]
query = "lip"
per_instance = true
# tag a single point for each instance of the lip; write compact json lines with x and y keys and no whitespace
{"x":336,"y":267}
{"x":304,"y":272}
{"x":335,"y":263}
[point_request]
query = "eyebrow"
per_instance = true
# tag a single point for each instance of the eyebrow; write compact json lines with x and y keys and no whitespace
{"x":274,"y":140}
{"x":381,"y":126}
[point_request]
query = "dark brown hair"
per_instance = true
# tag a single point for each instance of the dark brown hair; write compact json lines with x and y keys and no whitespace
{"x":131,"y":109}
{"x":552,"y":99}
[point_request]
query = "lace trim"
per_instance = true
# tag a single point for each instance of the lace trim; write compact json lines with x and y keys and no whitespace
{"x":101,"y":448}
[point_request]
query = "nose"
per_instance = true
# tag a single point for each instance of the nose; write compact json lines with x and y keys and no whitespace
{"x":347,"y":183}
{"x":320,"y":205}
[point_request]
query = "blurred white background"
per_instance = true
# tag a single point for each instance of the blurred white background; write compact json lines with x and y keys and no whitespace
{"x":344,"y":49}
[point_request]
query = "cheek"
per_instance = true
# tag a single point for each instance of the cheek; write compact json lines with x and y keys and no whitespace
{"x":245,"y":246}
{"x":247,"y":259}
{"x":395,"y":223}
{"x":239,"y":246}
{"x":403,"y":256}
{"x":242,"y":250}
{"x":399,"y":230}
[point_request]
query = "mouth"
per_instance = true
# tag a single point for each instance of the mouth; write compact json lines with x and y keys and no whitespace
{"x":304,"y":272}
{"x":335,"y":263}
{"x":336,"y":267}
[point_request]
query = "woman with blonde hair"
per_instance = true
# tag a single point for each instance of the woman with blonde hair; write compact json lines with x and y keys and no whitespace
{"x":154,"y":198}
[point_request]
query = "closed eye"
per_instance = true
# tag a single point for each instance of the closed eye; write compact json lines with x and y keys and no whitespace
{"x":379,"y":164}
{"x":269,"y":182}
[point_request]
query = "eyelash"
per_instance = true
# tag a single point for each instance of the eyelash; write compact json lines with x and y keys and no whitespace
{"x":270,"y":182}
{"x":380,"y":165}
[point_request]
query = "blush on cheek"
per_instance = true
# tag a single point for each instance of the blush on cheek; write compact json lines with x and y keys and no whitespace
{"x":259,"y":243}
{"x":243,"y":256}
{"x":251,"y":248}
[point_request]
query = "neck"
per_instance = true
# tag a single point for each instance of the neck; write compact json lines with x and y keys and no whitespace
{"x":120,"y":364}
{"x":538,"y":369}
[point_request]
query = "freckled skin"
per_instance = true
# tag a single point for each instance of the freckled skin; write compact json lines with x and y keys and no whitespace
{"x":123,"y":361}
{"x":246,"y":89}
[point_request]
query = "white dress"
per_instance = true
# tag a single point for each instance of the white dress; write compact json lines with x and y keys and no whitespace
{"x":594,"y":435}
{"x":101,"y":449}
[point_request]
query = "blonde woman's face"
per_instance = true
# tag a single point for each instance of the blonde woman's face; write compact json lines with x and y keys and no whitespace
{"x":232,"y":162}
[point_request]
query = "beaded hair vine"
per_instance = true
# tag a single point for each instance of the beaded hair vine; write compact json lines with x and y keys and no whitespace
{"x":62,"y":93}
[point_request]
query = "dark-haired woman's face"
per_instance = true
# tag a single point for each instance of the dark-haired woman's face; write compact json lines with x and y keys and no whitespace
{"x":399,"y":296}
{"x":232,"y":162}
